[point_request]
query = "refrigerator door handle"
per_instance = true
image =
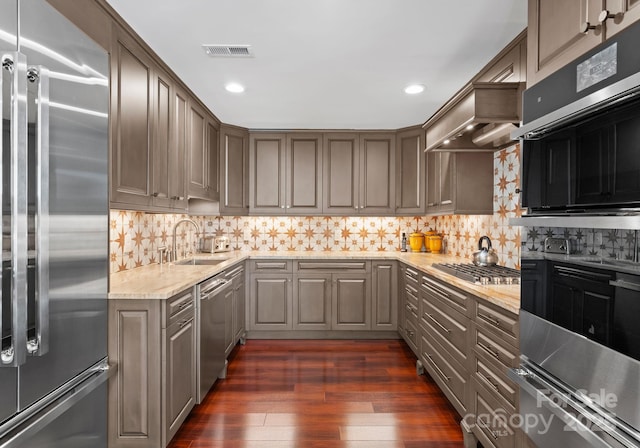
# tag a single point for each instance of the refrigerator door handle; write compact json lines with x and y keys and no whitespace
{"x":16,"y":353}
{"x":39,"y":344}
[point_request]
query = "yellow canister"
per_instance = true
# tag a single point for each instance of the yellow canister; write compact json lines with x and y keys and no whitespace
{"x":416,"y":240}
{"x":435,"y":244}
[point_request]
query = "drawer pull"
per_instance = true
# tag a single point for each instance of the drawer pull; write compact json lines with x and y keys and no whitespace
{"x":485,"y":425}
{"x":435,"y":366}
{"x":491,"y":320}
{"x":489,"y":380}
{"x":489,"y":350}
{"x":410,"y":333}
{"x":412,"y":274}
{"x":435,"y":290}
{"x":433,"y":319}
{"x":184,"y":322}
{"x":184,"y":305}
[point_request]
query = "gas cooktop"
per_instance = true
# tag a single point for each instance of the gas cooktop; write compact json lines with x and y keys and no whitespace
{"x":489,"y":275}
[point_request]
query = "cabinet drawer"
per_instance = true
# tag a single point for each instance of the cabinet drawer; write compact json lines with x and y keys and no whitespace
{"x":492,"y":420}
{"x":486,"y":344}
{"x":456,"y":299}
{"x":332,"y":266}
{"x":494,"y":380}
{"x":411,"y":335}
{"x":412,"y":277}
{"x":498,"y":320}
{"x":451,"y":377}
{"x":179,"y":307}
{"x":411,"y":307}
{"x":271,"y":265}
{"x":449,"y":327}
{"x":234,"y":271}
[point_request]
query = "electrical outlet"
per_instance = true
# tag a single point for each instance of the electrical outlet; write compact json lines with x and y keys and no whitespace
{"x":597,"y":238}
{"x":246,"y":242}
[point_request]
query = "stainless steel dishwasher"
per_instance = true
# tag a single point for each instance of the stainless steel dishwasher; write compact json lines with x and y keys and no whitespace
{"x":211,"y":346}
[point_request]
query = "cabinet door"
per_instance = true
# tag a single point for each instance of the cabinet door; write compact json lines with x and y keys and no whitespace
{"x":433,"y":181}
{"x":180,"y":386}
{"x":377,"y":174}
{"x":555,"y":34}
{"x":234,"y":170}
{"x":304,"y":174}
{"x":197,"y":177}
{"x":340,"y":174}
{"x":162,"y":131}
{"x":410,"y":173}
{"x":627,"y":13}
{"x":270,"y":306}
{"x":533,"y":281}
{"x":178,"y":150}
{"x":557,"y":155}
{"x":312,"y":302}
{"x":384,"y":298}
{"x":239,"y":307}
{"x":132,"y":117}
{"x":625,"y":179}
{"x":592,"y":166}
{"x":213,"y":157}
{"x":351,"y":302}
{"x":229,"y":340}
{"x":447,"y":173}
{"x":267,"y":179}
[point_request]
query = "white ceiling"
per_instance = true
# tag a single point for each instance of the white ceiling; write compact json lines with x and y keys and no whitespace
{"x":326,"y":64}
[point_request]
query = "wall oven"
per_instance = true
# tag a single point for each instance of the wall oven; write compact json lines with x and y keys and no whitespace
{"x":581,"y":134}
{"x":579,"y":376}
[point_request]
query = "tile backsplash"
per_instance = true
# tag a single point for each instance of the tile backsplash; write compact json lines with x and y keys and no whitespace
{"x":605,"y":243}
{"x":136,"y":236}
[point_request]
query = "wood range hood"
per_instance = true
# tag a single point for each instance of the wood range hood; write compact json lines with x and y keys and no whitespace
{"x":480,"y":117}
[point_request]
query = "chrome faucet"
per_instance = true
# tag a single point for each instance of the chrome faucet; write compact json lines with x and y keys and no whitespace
{"x":175,"y":228}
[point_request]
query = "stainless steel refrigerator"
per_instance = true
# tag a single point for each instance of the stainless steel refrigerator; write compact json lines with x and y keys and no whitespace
{"x":54,"y":204}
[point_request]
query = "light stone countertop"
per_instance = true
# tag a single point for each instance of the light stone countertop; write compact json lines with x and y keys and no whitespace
{"x":162,"y":282}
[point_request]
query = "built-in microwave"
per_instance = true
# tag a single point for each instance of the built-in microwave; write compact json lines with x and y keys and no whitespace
{"x":581,"y":133}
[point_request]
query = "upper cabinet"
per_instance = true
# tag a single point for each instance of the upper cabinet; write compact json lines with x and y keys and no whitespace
{"x":203,"y":154}
{"x":459,"y":183}
{"x":410,"y":173}
{"x":359,"y":173}
{"x":164,"y":145}
{"x":285,"y":173}
{"x":131,"y":123}
{"x":234,"y":171}
{"x":560,"y":31}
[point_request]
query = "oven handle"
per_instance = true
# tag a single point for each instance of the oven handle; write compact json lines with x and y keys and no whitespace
{"x":625,"y":285}
{"x":557,"y":401}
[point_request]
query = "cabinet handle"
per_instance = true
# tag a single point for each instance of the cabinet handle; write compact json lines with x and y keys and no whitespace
{"x":410,"y":333}
{"x":183,"y":323}
{"x":433,"y":319}
{"x":177,"y":198}
{"x":489,"y":350}
{"x":440,"y":372}
{"x":183,"y":305}
{"x":447,"y":202}
{"x":432,"y":204}
{"x":586,"y":26}
{"x":282,"y":206}
{"x":288,"y":206}
{"x":485,"y":425}
{"x":491,"y":320}
{"x":604,"y":15}
{"x":414,"y":274}
{"x":488,"y":379}
{"x":155,"y":195}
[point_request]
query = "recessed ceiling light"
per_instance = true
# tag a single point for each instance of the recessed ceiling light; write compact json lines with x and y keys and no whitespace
{"x":413,"y":89}
{"x":234,"y":87}
{"x":469,"y":127}
{"x":447,"y":141}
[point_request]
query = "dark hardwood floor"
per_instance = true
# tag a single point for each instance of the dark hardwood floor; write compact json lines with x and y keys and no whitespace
{"x":322,"y":394}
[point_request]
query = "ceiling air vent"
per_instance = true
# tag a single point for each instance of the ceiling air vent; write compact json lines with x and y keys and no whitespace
{"x":235,"y":51}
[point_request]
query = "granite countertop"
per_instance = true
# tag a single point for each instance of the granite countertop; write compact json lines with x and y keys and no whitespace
{"x":162,"y":282}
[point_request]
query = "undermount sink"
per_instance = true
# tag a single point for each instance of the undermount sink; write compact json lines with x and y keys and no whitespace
{"x":200,"y":261}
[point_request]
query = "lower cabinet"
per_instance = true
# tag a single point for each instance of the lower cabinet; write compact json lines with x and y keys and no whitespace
{"x":467,"y":345}
{"x":323,"y":295}
{"x":270,"y":295}
{"x":154,"y":387}
{"x":234,"y":322}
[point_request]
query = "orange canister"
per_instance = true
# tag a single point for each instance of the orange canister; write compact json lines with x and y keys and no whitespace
{"x":416,"y":240}
{"x":428,"y":234}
